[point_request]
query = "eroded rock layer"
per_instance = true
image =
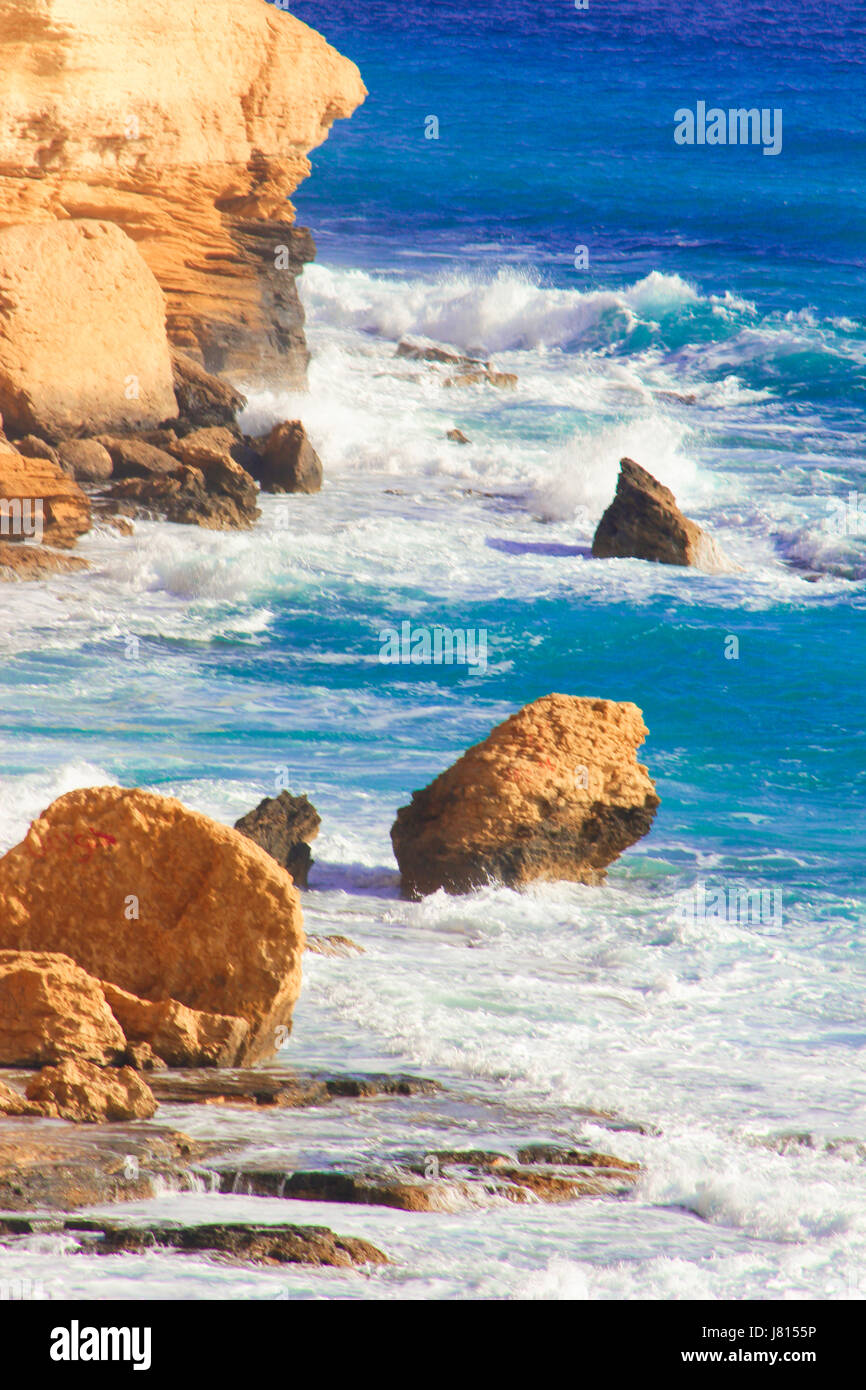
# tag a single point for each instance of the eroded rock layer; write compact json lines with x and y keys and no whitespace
{"x":188,"y":127}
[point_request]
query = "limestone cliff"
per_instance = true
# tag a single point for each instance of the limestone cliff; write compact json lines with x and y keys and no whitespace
{"x":189,"y":126}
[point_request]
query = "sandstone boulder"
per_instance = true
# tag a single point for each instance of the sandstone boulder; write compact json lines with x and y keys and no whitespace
{"x":141,"y":1057}
{"x":289,"y":463}
{"x":37,"y":500}
{"x":163,"y":902}
{"x":181,"y":1037}
{"x":87,"y":1094}
{"x":85,"y":460}
{"x":284,"y":825}
{"x":207,"y":448}
{"x":194,"y":480}
{"x":136,"y":458}
{"x":202,"y":399}
{"x":219,"y":453}
{"x":555,"y":792}
{"x":51,"y":1009}
{"x":644,"y":522}
{"x":224,"y":499}
{"x":83,"y":344}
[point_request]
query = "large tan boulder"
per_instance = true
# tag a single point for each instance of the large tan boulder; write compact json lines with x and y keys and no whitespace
{"x":82,"y":334}
{"x":162,"y":901}
{"x":51,"y":1009}
{"x":555,"y":792}
{"x":288,"y":461}
{"x":87,"y":1094}
{"x":644,"y":522}
{"x":189,"y":126}
{"x":39,"y":502}
{"x":182,"y":1037}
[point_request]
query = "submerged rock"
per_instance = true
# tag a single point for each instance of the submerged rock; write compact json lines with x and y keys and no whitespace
{"x":83,"y":344}
{"x":246,"y":1243}
{"x":457,"y":437}
{"x":481,"y":376}
{"x":334,"y":946}
{"x":555,"y":792}
{"x":167,"y":904}
{"x":61,"y":1168}
{"x":284,"y":825}
{"x":472,"y":371}
{"x":443,"y":1181}
{"x":423,"y":350}
{"x":284,"y":1090}
{"x":88,"y":1094}
{"x":645,"y":523}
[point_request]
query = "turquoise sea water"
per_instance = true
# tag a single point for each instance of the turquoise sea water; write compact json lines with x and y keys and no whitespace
{"x":718,"y":338}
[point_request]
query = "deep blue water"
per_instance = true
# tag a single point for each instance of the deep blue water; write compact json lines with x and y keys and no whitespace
{"x":556,"y":129}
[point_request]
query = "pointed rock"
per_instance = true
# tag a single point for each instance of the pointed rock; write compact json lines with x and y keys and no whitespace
{"x":644,"y":522}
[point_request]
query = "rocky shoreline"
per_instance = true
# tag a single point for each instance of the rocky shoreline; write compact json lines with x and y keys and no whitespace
{"x":47,"y":1175}
{"x":147,"y":952}
{"x":150,"y":958}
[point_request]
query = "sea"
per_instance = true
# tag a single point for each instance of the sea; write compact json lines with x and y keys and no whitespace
{"x":512,"y":188}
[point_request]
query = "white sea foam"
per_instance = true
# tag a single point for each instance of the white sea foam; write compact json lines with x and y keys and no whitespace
{"x":509,"y":311}
{"x":23,"y":798}
{"x":542,"y":1003}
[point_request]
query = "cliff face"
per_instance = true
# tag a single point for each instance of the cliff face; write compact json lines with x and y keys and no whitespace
{"x":189,"y":126}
